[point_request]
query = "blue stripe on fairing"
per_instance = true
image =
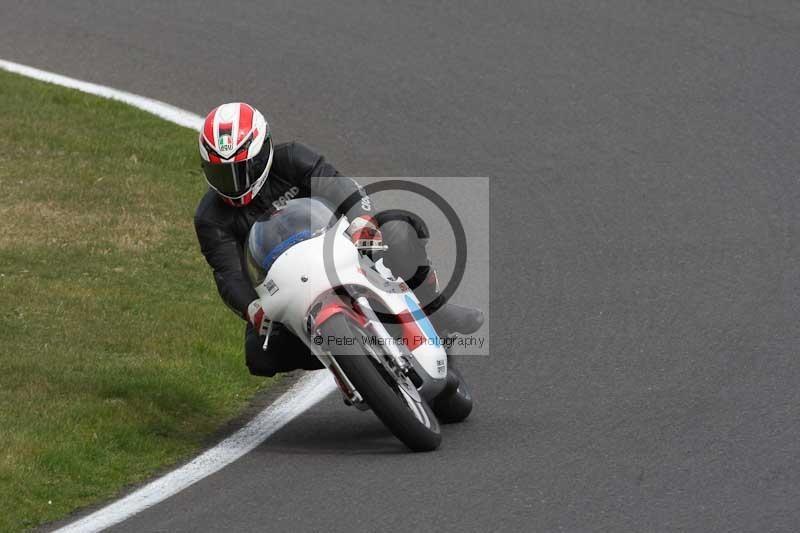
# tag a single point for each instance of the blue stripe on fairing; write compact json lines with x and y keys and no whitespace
{"x":422,"y":320}
{"x":283,"y":246}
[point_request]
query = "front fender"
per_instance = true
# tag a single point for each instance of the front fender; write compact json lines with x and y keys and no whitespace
{"x":329,"y":308}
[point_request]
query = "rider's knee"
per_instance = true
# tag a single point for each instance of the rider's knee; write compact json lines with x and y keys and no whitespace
{"x":259,"y":362}
{"x":284,"y":353}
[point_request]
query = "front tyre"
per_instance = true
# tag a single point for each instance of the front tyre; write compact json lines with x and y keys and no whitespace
{"x":412,"y":421}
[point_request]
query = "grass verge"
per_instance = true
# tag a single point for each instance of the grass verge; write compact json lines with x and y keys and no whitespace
{"x":116,"y":355}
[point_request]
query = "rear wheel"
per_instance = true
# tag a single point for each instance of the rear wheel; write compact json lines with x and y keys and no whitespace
{"x":398,"y":405}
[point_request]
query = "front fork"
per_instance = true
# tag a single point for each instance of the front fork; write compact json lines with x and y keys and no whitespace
{"x":397,"y":364}
{"x":396,"y":358}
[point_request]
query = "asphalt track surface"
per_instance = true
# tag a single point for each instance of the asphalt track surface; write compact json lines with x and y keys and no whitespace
{"x":644,"y":157}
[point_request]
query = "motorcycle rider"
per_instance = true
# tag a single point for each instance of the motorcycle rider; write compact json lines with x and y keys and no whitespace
{"x":248,"y":177}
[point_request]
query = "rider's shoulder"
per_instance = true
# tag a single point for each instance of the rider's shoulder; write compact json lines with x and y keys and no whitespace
{"x":295,"y":154}
{"x":208,"y":208}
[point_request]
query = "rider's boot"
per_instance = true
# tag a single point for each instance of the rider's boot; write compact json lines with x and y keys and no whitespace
{"x":447,"y":318}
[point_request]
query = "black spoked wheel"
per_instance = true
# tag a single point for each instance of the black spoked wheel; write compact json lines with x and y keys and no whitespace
{"x":397,"y":405}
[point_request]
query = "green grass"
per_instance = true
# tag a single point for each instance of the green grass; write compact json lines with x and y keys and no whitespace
{"x":116,"y":355}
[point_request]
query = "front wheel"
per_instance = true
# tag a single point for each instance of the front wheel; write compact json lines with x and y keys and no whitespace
{"x":410,"y":420}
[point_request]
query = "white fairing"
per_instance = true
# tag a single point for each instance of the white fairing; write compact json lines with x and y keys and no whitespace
{"x":297,"y":279}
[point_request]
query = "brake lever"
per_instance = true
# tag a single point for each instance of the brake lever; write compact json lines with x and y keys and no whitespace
{"x":266,"y":339}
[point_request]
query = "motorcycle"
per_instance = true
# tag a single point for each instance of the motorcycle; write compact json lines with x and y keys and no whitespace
{"x":365,"y":325}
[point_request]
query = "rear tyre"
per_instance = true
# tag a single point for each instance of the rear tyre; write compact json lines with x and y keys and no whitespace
{"x":411,"y":421}
{"x":454,"y":403}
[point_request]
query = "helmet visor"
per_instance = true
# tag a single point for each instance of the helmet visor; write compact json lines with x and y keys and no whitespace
{"x":236,"y":178}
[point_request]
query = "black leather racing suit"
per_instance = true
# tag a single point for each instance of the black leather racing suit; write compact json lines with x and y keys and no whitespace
{"x":297,"y":171}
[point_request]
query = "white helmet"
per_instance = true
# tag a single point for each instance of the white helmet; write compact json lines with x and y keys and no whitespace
{"x":236,"y":152}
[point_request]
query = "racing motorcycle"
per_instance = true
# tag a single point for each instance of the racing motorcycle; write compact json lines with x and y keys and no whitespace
{"x":365,"y":325}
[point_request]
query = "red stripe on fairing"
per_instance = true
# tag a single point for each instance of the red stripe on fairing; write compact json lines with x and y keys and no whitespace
{"x":412,"y":335}
{"x":335,"y":308}
{"x":245,"y":121}
{"x":208,"y":127}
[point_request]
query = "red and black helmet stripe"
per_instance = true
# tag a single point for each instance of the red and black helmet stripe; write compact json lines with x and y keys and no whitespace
{"x":231,"y":165}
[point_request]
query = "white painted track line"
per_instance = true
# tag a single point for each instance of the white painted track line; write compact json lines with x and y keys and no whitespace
{"x":309,"y":390}
{"x":161,"y":109}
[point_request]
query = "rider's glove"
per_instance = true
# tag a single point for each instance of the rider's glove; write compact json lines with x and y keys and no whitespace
{"x":256,"y":317}
{"x":365,"y":234}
